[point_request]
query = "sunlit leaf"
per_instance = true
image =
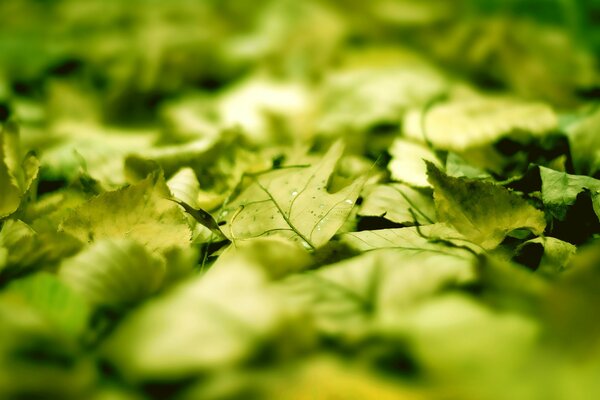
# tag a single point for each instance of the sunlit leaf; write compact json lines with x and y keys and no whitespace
{"x":184,"y":186}
{"x":293,"y":202}
{"x":482,"y":211}
{"x":98,"y":150}
{"x":436,"y":238}
{"x":26,"y":249}
{"x":398,"y":203}
{"x":140,"y":212}
{"x":408,"y":162}
{"x":16,"y":174}
{"x":113,"y":273}
{"x":479,"y":120}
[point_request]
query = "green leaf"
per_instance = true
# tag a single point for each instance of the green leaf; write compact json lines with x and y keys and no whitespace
{"x":198,"y":155}
{"x":408,"y":162}
{"x":349,"y":298}
{"x":26,"y":249}
{"x":398,"y":203}
{"x":560,"y":190}
{"x":458,"y":167}
{"x":140,"y":212}
{"x":435,"y":238}
{"x":16,"y":174}
{"x":99,"y":150}
{"x":186,"y":192}
{"x":113,"y":273}
{"x":211,"y":321}
{"x":184,"y":186}
{"x":202,"y":217}
{"x":584,"y":143}
{"x":294,"y":203}
{"x":53,"y":300}
{"x":348,"y":95}
{"x":482,"y":211}
{"x":472,"y":329}
{"x":275,"y":255}
{"x":36,"y":358}
{"x":256,"y":103}
{"x":478,"y":120}
{"x":556,"y":254}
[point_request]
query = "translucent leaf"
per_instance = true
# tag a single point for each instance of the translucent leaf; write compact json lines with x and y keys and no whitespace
{"x":186,"y":191}
{"x":53,"y":300}
{"x":293,"y":202}
{"x":21,"y":170}
{"x":113,"y":273}
{"x":398,"y":203}
{"x":458,"y":167}
{"x":407,"y":164}
{"x":253,"y":105}
{"x":436,"y":238}
{"x":483,"y":212}
{"x":479,"y":120}
{"x":171,"y":158}
{"x":184,"y":186}
{"x":140,"y":212}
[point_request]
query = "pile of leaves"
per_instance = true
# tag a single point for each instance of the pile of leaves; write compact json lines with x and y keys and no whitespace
{"x":289,"y":200}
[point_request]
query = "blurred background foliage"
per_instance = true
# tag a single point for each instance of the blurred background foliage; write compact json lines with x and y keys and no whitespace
{"x":121,"y":61}
{"x":177,"y":71}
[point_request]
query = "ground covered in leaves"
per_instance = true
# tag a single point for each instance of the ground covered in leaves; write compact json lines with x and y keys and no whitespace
{"x":299,"y":200}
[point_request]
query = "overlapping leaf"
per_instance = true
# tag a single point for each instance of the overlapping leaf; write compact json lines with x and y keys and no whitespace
{"x":140,"y":212}
{"x":113,"y":273}
{"x":350,"y":297}
{"x":435,"y":238}
{"x":292,"y":202}
{"x":398,"y":203}
{"x":407,"y":164}
{"x":560,"y":191}
{"x":16,"y":174}
{"x":482,"y":211}
{"x":479,"y":120}
{"x":210,"y":321}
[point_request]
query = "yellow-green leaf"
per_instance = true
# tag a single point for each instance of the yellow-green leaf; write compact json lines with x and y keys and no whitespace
{"x":140,"y":212}
{"x":482,"y":211}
